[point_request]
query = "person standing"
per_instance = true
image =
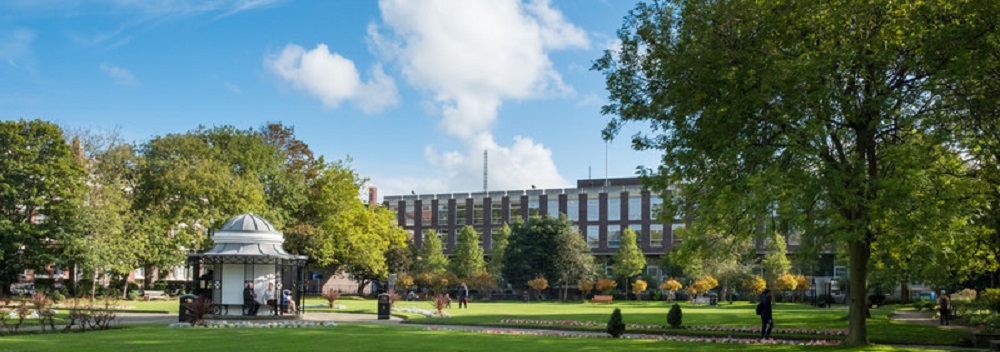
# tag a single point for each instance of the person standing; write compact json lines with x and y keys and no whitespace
{"x":463,"y":296}
{"x":250,"y":299}
{"x":944,"y":308}
{"x":766,"y":314}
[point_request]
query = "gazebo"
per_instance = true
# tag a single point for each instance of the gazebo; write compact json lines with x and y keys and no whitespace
{"x":247,"y":248}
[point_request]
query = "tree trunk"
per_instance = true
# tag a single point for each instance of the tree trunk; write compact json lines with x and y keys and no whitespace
{"x":93,"y":286}
{"x":859,"y":252}
{"x":361,"y":287}
{"x":124,"y":287}
{"x":904,"y":292}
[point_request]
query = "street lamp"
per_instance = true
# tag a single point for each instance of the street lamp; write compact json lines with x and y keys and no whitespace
{"x":813,"y":287}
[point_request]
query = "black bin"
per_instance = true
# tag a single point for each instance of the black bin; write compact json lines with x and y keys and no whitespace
{"x":384,"y":306}
{"x":185,"y":314}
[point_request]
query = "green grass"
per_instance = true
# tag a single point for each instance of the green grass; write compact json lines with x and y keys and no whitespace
{"x":787,"y":315}
{"x":354,"y":338}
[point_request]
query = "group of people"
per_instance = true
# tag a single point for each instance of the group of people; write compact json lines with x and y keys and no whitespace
{"x":463,"y":297}
{"x":253,"y":304}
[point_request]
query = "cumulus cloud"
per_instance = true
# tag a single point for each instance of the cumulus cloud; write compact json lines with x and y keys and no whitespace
{"x":333,"y":78}
{"x":119,"y":75}
{"x":471,"y":56}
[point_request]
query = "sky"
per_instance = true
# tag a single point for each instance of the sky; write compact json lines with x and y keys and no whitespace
{"x":412,"y":92}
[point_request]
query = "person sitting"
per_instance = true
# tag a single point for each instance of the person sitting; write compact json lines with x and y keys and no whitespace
{"x":286,"y":299}
{"x":250,"y":299}
{"x":412,"y":296}
{"x":269,"y":298}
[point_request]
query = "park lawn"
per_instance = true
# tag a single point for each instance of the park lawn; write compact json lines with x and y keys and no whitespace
{"x":787,"y":315}
{"x":356,"y":337}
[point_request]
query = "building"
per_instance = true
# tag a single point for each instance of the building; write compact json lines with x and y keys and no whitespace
{"x":600,"y":209}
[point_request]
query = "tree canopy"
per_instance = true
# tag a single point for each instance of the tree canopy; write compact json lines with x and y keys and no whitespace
{"x":815,"y":112}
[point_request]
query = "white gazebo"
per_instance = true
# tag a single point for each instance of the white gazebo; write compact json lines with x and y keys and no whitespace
{"x":247,"y":248}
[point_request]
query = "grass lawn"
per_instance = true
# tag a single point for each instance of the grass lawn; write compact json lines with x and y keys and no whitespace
{"x":787,"y":315}
{"x":349,"y":337}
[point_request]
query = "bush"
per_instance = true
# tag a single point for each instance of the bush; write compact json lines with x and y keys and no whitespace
{"x":616,"y":327}
{"x":991,"y":297}
{"x":674,"y":316}
{"x":876,"y":299}
{"x":159,"y":286}
{"x":58,"y":296}
{"x":132,"y":295}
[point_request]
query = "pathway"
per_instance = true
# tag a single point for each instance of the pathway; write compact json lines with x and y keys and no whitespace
{"x":925,"y":318}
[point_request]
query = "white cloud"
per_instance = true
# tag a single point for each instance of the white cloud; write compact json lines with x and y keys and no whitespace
{"x":15,"y":46}
{"x":471,"y":56}
{"x":119,"y":75}
{"x":333,"y":78}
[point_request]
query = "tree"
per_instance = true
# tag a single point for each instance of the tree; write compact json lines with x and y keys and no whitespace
{"x":430,"y":256}
{"x":814,"y":118}
{"x":785,"y":283}
{"x":671,"y":285}
{"x":467,"y":258}
{"x":755,"y":285}
{"x":605,"y":285}
{"x":41,"y":190}
{"x":538,"y":284}
{"x":573,"y":261}
{"x":776,"y":263}
{"x":637,"y":287}
{"x":629,"y":260}
{"x":532,"y":250}
{"x":499,"y":246}
{"x":802,"y":284}
{"x":377,"y":234}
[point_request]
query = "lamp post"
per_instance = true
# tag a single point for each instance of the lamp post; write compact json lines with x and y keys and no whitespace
{"x":813,"y":287}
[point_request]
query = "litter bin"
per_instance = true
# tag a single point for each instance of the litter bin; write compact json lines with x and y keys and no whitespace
{"x":185,"y":315}
{"x":384,"y":306}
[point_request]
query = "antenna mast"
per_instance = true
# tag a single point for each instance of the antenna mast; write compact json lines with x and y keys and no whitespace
{"x":486,"y":164}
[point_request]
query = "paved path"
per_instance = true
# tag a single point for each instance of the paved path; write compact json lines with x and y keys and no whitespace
{"x":926,"y":318}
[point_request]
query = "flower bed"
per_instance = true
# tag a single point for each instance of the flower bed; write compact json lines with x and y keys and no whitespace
{"x":222,"y":324}
{"x":729,"y":339}
{"x":425,"y":312}
{"x":744,"y":329}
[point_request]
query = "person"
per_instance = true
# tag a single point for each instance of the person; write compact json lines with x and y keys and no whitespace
{"x":269,"y":298}
{"x":944,"y":307}
{"x":412,"y":296}
{"x":286,"y":298}
{"x":463,"y":296}
{"x":250,"y":299}
{"x":766,"y":314}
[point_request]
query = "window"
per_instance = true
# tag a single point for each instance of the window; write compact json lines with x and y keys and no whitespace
{"x":443,"y":213}
{"x":656,"y":235}
{"x":443,"y":235}
{"x":638,"y":232}
{"x":573,"y":210}
{"x":515,"y":210}
{"x":552,"y":207}
{"x":655,"y":207}
{"x":674,"y":228}
{"x":409,"y":215}
{"x":425,"y":214}
{"x":496,"y":214}
{"x":635,"y":208}
{"x":614,"y":209}
{"x":460,"y":213}
{"x":593,"y":209}
{"x":614,"y":236}
{"x":593,"y":236}
{"x":534,"y":208}
{"x":477,"y":214}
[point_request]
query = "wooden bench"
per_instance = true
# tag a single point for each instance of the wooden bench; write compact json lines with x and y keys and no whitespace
{"x":151,"y":295}
{"x":602,"y":298}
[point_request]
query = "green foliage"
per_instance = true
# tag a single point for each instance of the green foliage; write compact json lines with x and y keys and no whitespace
{"x":467,"y":258}
{"x":629,"y":260}
{"x":573,"y":261}
{"x":815,"y":113}
{"x":533,"y":250}
{"x":675,"y":317}
{"x":616,"y":327}
{"x":430,"y":256}
{"x":499,"y":246}
{"x":776,"y":263}
{"x":40,"y":178}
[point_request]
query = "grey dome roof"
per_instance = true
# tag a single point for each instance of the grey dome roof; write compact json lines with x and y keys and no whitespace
{"x":248,"y":223}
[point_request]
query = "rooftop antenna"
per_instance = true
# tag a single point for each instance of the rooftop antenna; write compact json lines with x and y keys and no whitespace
{"x":486,"y":163}
{"x":605,"y":164}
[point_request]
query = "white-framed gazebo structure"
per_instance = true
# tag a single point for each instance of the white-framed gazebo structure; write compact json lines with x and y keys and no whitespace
{"x":247,"y":248}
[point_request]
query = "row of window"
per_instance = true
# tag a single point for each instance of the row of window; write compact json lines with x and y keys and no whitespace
{"x":614,"y":213}
{"x":593,"y":234}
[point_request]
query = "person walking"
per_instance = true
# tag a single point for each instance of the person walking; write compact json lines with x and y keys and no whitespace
{"x":463,"y":297}
{"x":764,"y":308}
{"x":944,"y":308}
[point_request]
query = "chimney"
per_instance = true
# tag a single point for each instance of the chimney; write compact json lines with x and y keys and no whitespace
{"x":372,"y":196}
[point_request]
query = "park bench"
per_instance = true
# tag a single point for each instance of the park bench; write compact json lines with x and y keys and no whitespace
{"x":602,"y":298}
{"x":151,"y":295}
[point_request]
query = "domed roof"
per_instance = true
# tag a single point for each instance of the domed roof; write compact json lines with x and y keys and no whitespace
{"x":248,"y":223}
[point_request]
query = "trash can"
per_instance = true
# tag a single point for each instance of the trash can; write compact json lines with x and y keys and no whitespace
{"x":384,"y":306}
{"x":185,"y":315}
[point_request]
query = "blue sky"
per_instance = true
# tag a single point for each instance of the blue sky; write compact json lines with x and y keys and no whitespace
{"x":412,"y":91}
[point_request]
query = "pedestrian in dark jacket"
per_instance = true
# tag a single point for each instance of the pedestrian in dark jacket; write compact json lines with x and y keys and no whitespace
{"x":250,"y":299}
{"x":766,"y":314}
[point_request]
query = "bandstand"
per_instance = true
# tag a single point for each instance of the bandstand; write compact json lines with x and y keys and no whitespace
{"x":247,"y":248}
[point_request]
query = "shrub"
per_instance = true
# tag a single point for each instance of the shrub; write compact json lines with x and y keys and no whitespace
{"x":877,"y":299}
{"x":616,"y":327}
{"x":132,"y":295}
{"x":199,"y":308}
{"x":159,"y":286}
{"x":586,"y":286}
{"x":671,"y":285}
{"x":440,"y":301}
{"x":606,"y":285}
{"x":674,"y":316}
{"x":538,"y":284}
{"x":638,"y":286}
{"x":991,"y":297}
{"x":331,"y":296}
{"x":964,"y":296}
